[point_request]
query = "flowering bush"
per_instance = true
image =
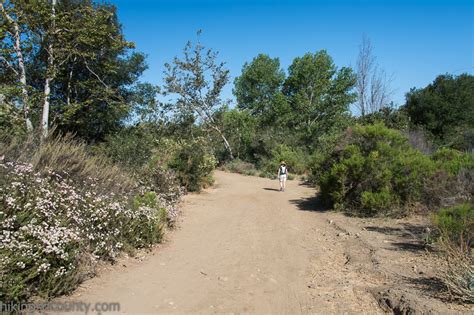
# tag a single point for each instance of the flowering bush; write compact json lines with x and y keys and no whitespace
{"x":155,"y":176}
{"x":54,"y":228}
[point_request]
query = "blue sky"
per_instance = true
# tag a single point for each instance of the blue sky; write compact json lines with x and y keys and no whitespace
{"x":413,"y":40}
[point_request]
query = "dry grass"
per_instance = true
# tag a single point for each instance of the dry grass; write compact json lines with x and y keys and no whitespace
{"x":458,"y":276}
{"x":240,"y":167}
{"x":65,"y":155}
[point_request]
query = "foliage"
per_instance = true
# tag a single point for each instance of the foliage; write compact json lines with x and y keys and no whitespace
{"x":240,"y":167}
{"x":240,"y":128}
{"x":456,"y":224}
{"x":319,"y":93}
{"x":193,"y":164}
{"x":157,"y":177}
{"x":452,"y":182}
{"x":197,"y":81}
{"x":390,"y":117}
{"x":131,"y":147}
{"x":374,"y":172}
{"x":446,"y":109}
{"x":295,"y":160}
{"x":453,"y":161}
{"x":318,"y":161}
{"x":83,"y":55}
{"x":11,"y":122}
{"x":258,"y":85}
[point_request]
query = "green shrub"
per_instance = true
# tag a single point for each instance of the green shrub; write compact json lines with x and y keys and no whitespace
{"x":240,"y":167}
{"x":374,"y":171}
{"x":265,"y":174}
{"x":295,"y":160}
{"x":453,"y":181}
{"x":11,"y":121}
{"x":318,"y":161}
{"x":390,"y":117}
{"x":140,"y":236}
{"x":456,"y":224}
{"x":131,"y":147}
{"x":250,"y":172}
{"x":453,"y":161}
{"x":372,"y":202}
{"x":193,"y":164}
{"x":157,"y":177}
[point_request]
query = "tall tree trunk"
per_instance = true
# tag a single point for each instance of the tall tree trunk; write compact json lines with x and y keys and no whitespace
{"x":69,"y":82}
{"x":221,"y":134}
{"x":49,"y":77}
{"x":205,"y":115}
{"x":227,"y":146}
{"x":45,"y":116}
{"x":21,"y":66}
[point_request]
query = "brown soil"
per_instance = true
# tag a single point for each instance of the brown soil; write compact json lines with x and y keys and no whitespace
{"x":244,"y":247}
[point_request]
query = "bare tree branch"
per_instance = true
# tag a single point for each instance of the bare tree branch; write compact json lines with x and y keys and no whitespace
{"x":373,"y":85}
{"x":10,"y":66}
{"x":95,"y":74}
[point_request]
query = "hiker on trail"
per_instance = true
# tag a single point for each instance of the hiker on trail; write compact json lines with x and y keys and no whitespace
{"x":282,"y":174}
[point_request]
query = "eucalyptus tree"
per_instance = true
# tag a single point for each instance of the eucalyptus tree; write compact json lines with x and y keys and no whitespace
{"x":71,"y":63}
{"x":16,"y":40}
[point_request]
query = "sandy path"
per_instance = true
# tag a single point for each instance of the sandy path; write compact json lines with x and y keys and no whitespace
{"x":242,"y":247}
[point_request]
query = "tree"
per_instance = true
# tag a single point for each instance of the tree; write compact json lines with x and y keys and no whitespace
{"x":13,"y":32}
{"x":446,"y":109}
{"x":373,"y":85}
{"x":96,"y":85}
{"x":197,"y":80}
{"x":260,"y":81}
{"x":50,"y":69}
{"x":319,"y":93}
{"x":72,"y":63}
{"x":240,"y":128}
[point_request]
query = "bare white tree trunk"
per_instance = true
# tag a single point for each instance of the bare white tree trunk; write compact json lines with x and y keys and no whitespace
{"x":206,"y":116}
{"x":226,"y":143}
{"x":365,"y":63}
{"x":49,"y":77}
{"x":373,"y":86}
{"x":21,"y":67}
{"x":380,"y":90}
{"x":45,"y":116}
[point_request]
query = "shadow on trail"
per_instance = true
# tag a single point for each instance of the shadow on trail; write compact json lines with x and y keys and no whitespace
{"x":430,"y":285}
{"x":410,"y":236}
{"x":310,"y":204}
{"x":272,"y":189}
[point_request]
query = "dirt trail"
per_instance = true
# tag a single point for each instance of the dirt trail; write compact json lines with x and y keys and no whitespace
{"x":244,"y":247}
